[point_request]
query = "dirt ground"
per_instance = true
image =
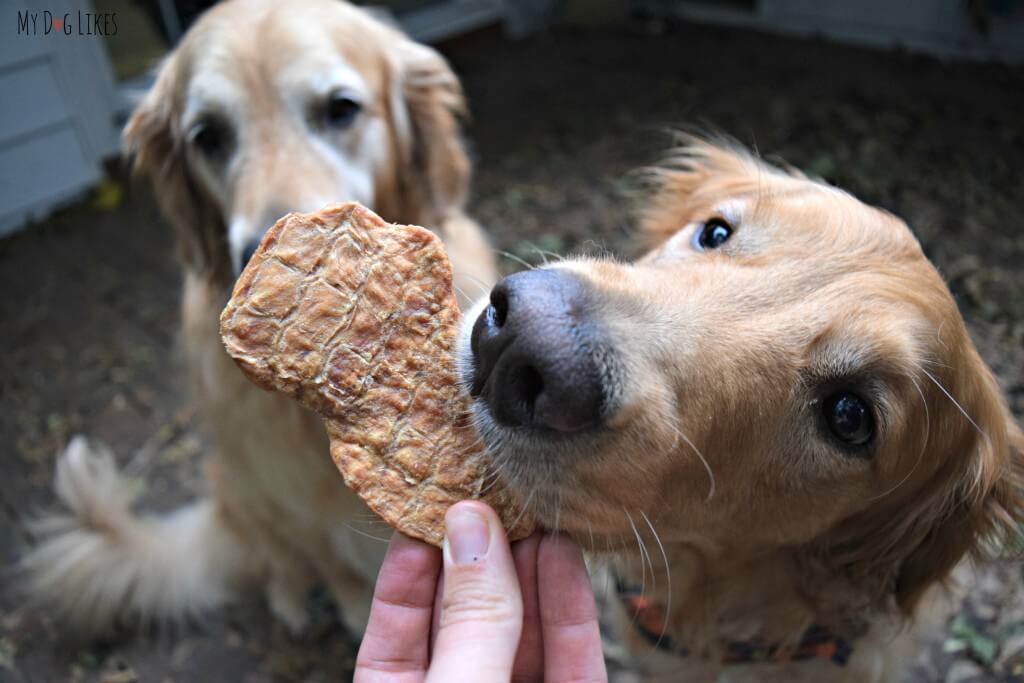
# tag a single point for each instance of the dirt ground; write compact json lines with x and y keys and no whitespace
{"x":88,"y":315}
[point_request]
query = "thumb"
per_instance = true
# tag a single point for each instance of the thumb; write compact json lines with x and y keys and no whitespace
{"x":481,"y":608}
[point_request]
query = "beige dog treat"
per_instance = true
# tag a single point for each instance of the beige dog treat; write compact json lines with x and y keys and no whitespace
{"x":356,"y":319}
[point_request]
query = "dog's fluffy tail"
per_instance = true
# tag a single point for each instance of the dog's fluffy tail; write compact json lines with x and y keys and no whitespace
{"x":102,"y":565}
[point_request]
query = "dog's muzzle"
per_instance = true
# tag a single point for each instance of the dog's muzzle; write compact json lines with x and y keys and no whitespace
{"x":249,"y":249}
{"x":247,"y":240}
{"x":534,"y":349}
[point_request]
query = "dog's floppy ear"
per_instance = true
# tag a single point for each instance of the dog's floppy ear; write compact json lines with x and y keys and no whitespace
{"x":153,"y":141}
{"x":978,"y":513}
{"x":427,"y":105}
{"x":970,"y":504}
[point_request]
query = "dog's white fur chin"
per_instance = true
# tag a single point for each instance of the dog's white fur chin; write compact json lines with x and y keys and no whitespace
{"x":107,"y":565}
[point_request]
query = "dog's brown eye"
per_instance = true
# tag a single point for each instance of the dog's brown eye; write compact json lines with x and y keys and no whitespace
{"x":211,"y":137}
{"x":341,"y":109}
{"x":713,"y":234}
{"x":849,"y":418}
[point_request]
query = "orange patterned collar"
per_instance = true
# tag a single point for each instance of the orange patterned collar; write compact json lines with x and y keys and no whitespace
{"x":817,"y":642}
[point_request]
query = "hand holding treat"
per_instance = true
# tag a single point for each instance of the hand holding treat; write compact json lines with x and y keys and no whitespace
{"x":356,"y":319}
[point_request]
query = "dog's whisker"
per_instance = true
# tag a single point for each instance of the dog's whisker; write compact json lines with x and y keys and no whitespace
{"x":707,"y":465}
{"x":368,"y":517}
{"x":644,"y":557}
{"x":485,"y":289}
{"x":924,"y":443}
{"x":487,"y":485}
{"x":955,"y":402}
{"x":512,"y":257}
{"x":494,"y":471}
{"x":490,"y":480}
{"x":938,"y":335}
{"x":477,"y":443}
{"x":525,"y":508}
{"x":363,"y":533}
{"x":934,"y":362}
{"x":461,"y":292}
{"x":668,"y":577}
{"x":544,"y":254}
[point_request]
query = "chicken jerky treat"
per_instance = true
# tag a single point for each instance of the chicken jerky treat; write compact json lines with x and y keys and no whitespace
{"x":356,"y":319}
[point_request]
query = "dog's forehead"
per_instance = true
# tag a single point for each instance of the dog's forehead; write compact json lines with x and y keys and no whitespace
{"x":789,"y":223}
{"x":884,"y":315}
{"x":796,"y":209}
{"x":289,"y":51}
{"x":819,"y":257}
{"x":325,"y":49}
{"x":321,"y":72}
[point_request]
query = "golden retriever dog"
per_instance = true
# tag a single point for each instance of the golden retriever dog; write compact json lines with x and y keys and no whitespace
{"x":265,"y":107}
{"x":774,"y":423}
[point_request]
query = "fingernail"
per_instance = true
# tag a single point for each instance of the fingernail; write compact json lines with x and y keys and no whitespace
{"x":467,"y":533}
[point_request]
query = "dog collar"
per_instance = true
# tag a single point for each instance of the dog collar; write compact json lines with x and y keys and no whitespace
{"x":817,"y":642}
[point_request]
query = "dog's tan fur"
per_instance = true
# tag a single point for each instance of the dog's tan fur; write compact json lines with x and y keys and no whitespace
{"x":755,"y":522}
{"x":277,"y":514}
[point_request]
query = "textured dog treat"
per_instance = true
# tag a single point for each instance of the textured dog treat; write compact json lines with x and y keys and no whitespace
{"x":356,"y":319}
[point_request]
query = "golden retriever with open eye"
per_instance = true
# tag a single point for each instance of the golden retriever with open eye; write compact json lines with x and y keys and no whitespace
{"x":265,"y":107}
{"x":775,"y":422}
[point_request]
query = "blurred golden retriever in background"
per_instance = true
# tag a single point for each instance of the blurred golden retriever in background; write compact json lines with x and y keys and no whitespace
{"x":775,"y":422}
{"x":264,"y":108}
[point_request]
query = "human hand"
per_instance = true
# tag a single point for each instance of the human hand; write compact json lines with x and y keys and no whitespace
{"x":495,"y":613}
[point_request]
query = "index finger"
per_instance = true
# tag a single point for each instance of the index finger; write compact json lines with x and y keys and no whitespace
{"x":529,"y":662}
{"x":396,"y":645}
{"x":568,"y":614}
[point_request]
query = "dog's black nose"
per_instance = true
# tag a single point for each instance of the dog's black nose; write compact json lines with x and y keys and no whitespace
{"x":270,"y":215}
{"x":249,"y":249}
{"x":534,"y":353}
